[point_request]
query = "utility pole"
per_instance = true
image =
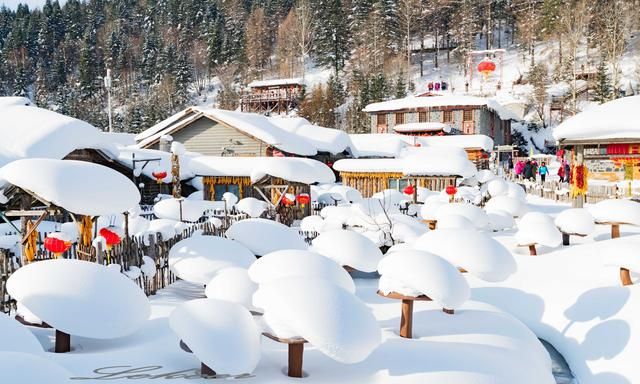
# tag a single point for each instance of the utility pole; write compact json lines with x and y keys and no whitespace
{"x":107,"y":85}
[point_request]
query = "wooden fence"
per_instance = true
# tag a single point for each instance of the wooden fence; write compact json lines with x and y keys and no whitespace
{"x":558,"y":191}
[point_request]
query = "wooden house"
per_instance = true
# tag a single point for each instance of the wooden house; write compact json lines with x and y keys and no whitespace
{"x":433,"y":114}
{"x":278,"y":96}
{"x":216,"y":132}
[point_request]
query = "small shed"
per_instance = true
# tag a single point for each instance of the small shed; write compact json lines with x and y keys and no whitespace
{"x":272,"y":96}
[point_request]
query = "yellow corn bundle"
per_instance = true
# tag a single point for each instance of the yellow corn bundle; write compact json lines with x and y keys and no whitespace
{"x":31,"y":245}
{"x":85,"y":227}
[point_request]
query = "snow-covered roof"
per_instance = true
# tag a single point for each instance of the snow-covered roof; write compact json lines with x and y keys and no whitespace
{"x":422,"y":127}
{"x":615,"y":119}
{"x":30,"y":132}
{"x":126,"y":155}
{"x":293,"y":169}
{"x":323,"y":139}
{"x":424,"y":161}
{"x":77,"y":186}
{"x":251,"y":124}
{"x":80,"y":298}
{"x":377,"y":144}
{"x":499,"y":105}
{"x":461,"y":141}
{"x":275,"y":82}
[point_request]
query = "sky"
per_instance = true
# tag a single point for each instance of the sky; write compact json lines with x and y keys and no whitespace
{"x":13,"y":4}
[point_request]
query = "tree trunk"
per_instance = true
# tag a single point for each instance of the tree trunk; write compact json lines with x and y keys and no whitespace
{"x":437,"y":50}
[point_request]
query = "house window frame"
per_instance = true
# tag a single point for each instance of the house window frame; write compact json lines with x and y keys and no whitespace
{"x":399,"y":118}
{"x":381,"y":119}
{"x":466,"y":113}
{"x":423,"y":117}
{"x":447,"y":116}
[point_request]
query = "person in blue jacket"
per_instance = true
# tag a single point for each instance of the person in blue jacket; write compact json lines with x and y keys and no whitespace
{"x":543,"y":170}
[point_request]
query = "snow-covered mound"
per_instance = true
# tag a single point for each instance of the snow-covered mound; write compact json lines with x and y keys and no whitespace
{"x":313,"y":223}
{"x":616,"y":211}
{"x":77,"y":186}
{"x":576,"y":221}
{"x":425,"y":273}
{"x":166,"y":228}
{"x":538,"y":228}
{"x":514,"y":206}
{"x":290,"y":263}
{"x":197,"y":259}
{"x":263,"y":236}
{"x":347,"y":194}
{"x":330,"y":318}
{"x":234,"y":285}
{"x":15,"y":337}
{"x":348,"y":248}
{"x":500,"y":220}
{"x":184,"y":209}
{"x":25,"y":368}
{"x":473,"y":213}
{"x":454,"y":221}
{"x":252,"y":206}
{"x":476,"y":252}
{"x":80,"y":298}
{"x":220,"y":334}
{"x":497,"y":187}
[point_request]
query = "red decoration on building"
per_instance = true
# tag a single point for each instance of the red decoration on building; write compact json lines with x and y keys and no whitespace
{"x":56,"y":246}
{"x":618,"y":149}
{"x":159,"y":175}
{"x":486,"y":67}
{"x":303,"y":199}
{"x":409,"y":190}
{"x":110,"y":236}
{"x":286,"y":201}
{"x":451,"y":190}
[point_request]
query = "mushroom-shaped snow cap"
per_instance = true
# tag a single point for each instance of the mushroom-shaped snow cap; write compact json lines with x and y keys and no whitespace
{"x":262,"y":236}
{"x":252,"y":206}
{"x":430,"y":208}
{"x":454,"y":221}
{"x":514,"y":206}
{"x":485,"y":175}
{"x":616,"y":211}
{"x":15,"y":337}
{"x":80,"y":298}
{"x":621,"y":253}
{"x":222,"y":335}
{"x":477,"y":253}
{"x":313,"y":223}
{"x":25,"y":368}
{"x":330,"y":318}
{"x":232,"y":284}
{"x":500,"y":220}
{"x":348,"y":248}
{"x":197,"y":259}
{"x":575,"y":221}
{"x":538,"y":228}
{"x":184,"y":209}
{"x":290,"y":263}
{"x":349,"y":194}
{"x":78,"y":186}
{"x":497,"y":187}
{"x":425,"y":273}
{"x":473,"y":213}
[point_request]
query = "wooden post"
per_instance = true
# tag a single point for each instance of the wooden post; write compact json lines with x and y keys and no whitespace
{"x":625,"y":277}
{"x":615,"y":230}
{"x":565,"y":238}
{"x":532,"y":250}
{"x":63,"y":342}
{"x":406,"y":321}
{"x":296,"y":352}
{"x":448,"y":311}
{"x":205,"y":371}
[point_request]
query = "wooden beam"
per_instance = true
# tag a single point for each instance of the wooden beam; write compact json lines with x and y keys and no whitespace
{"x":27,"y":212}
{"x":25,"y":238}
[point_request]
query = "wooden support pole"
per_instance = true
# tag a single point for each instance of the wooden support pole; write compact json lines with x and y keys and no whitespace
{"x":63,"y":342}
{"x":447,"y":311}
{"x":625,"y":277}
{"x":406,"y":320}
{"x":565,"y":238}
{"x":615,"y":231}
{"x":296,"y":352}
{"x":205,"y":371}
{"x":532,"y":250}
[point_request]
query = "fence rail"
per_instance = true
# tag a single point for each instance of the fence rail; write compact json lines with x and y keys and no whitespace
{"x":555,"y":190}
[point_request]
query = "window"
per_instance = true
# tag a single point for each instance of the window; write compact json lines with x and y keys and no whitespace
{"x":220,"y":189}
{"x":447,"y":116}
{"x":398,"y":184}
{"x":382,"y":119}
{"x":467,"y":115}
{"x":399,"y":118}
{"x":422,"y":117}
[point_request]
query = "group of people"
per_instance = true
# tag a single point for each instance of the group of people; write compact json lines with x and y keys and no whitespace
{"x":529,"y":169}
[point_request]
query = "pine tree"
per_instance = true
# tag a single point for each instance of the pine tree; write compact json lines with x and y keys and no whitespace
{"x":332,"y":47}
{"x":603,"y":83}
{"x":400,"y":86}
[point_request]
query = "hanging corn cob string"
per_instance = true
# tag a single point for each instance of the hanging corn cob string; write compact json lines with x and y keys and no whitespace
{"x":86,"y":230}
{"x":578,"y":179}
{"x":31,"y":245}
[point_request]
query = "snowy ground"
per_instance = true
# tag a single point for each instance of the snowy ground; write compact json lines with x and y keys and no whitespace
{"x":565,"y":296}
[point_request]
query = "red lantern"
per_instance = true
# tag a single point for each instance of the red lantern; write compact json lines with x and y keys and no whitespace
{"x":159,"y":175}
{"x":288,"y":200}
{"x":451,"y":190}
{"x":303,"y":199}
{"x":409,"y":190}
{"x":57,"y":243}
{"x":486,"y":67}
{"x":110,"y":235}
